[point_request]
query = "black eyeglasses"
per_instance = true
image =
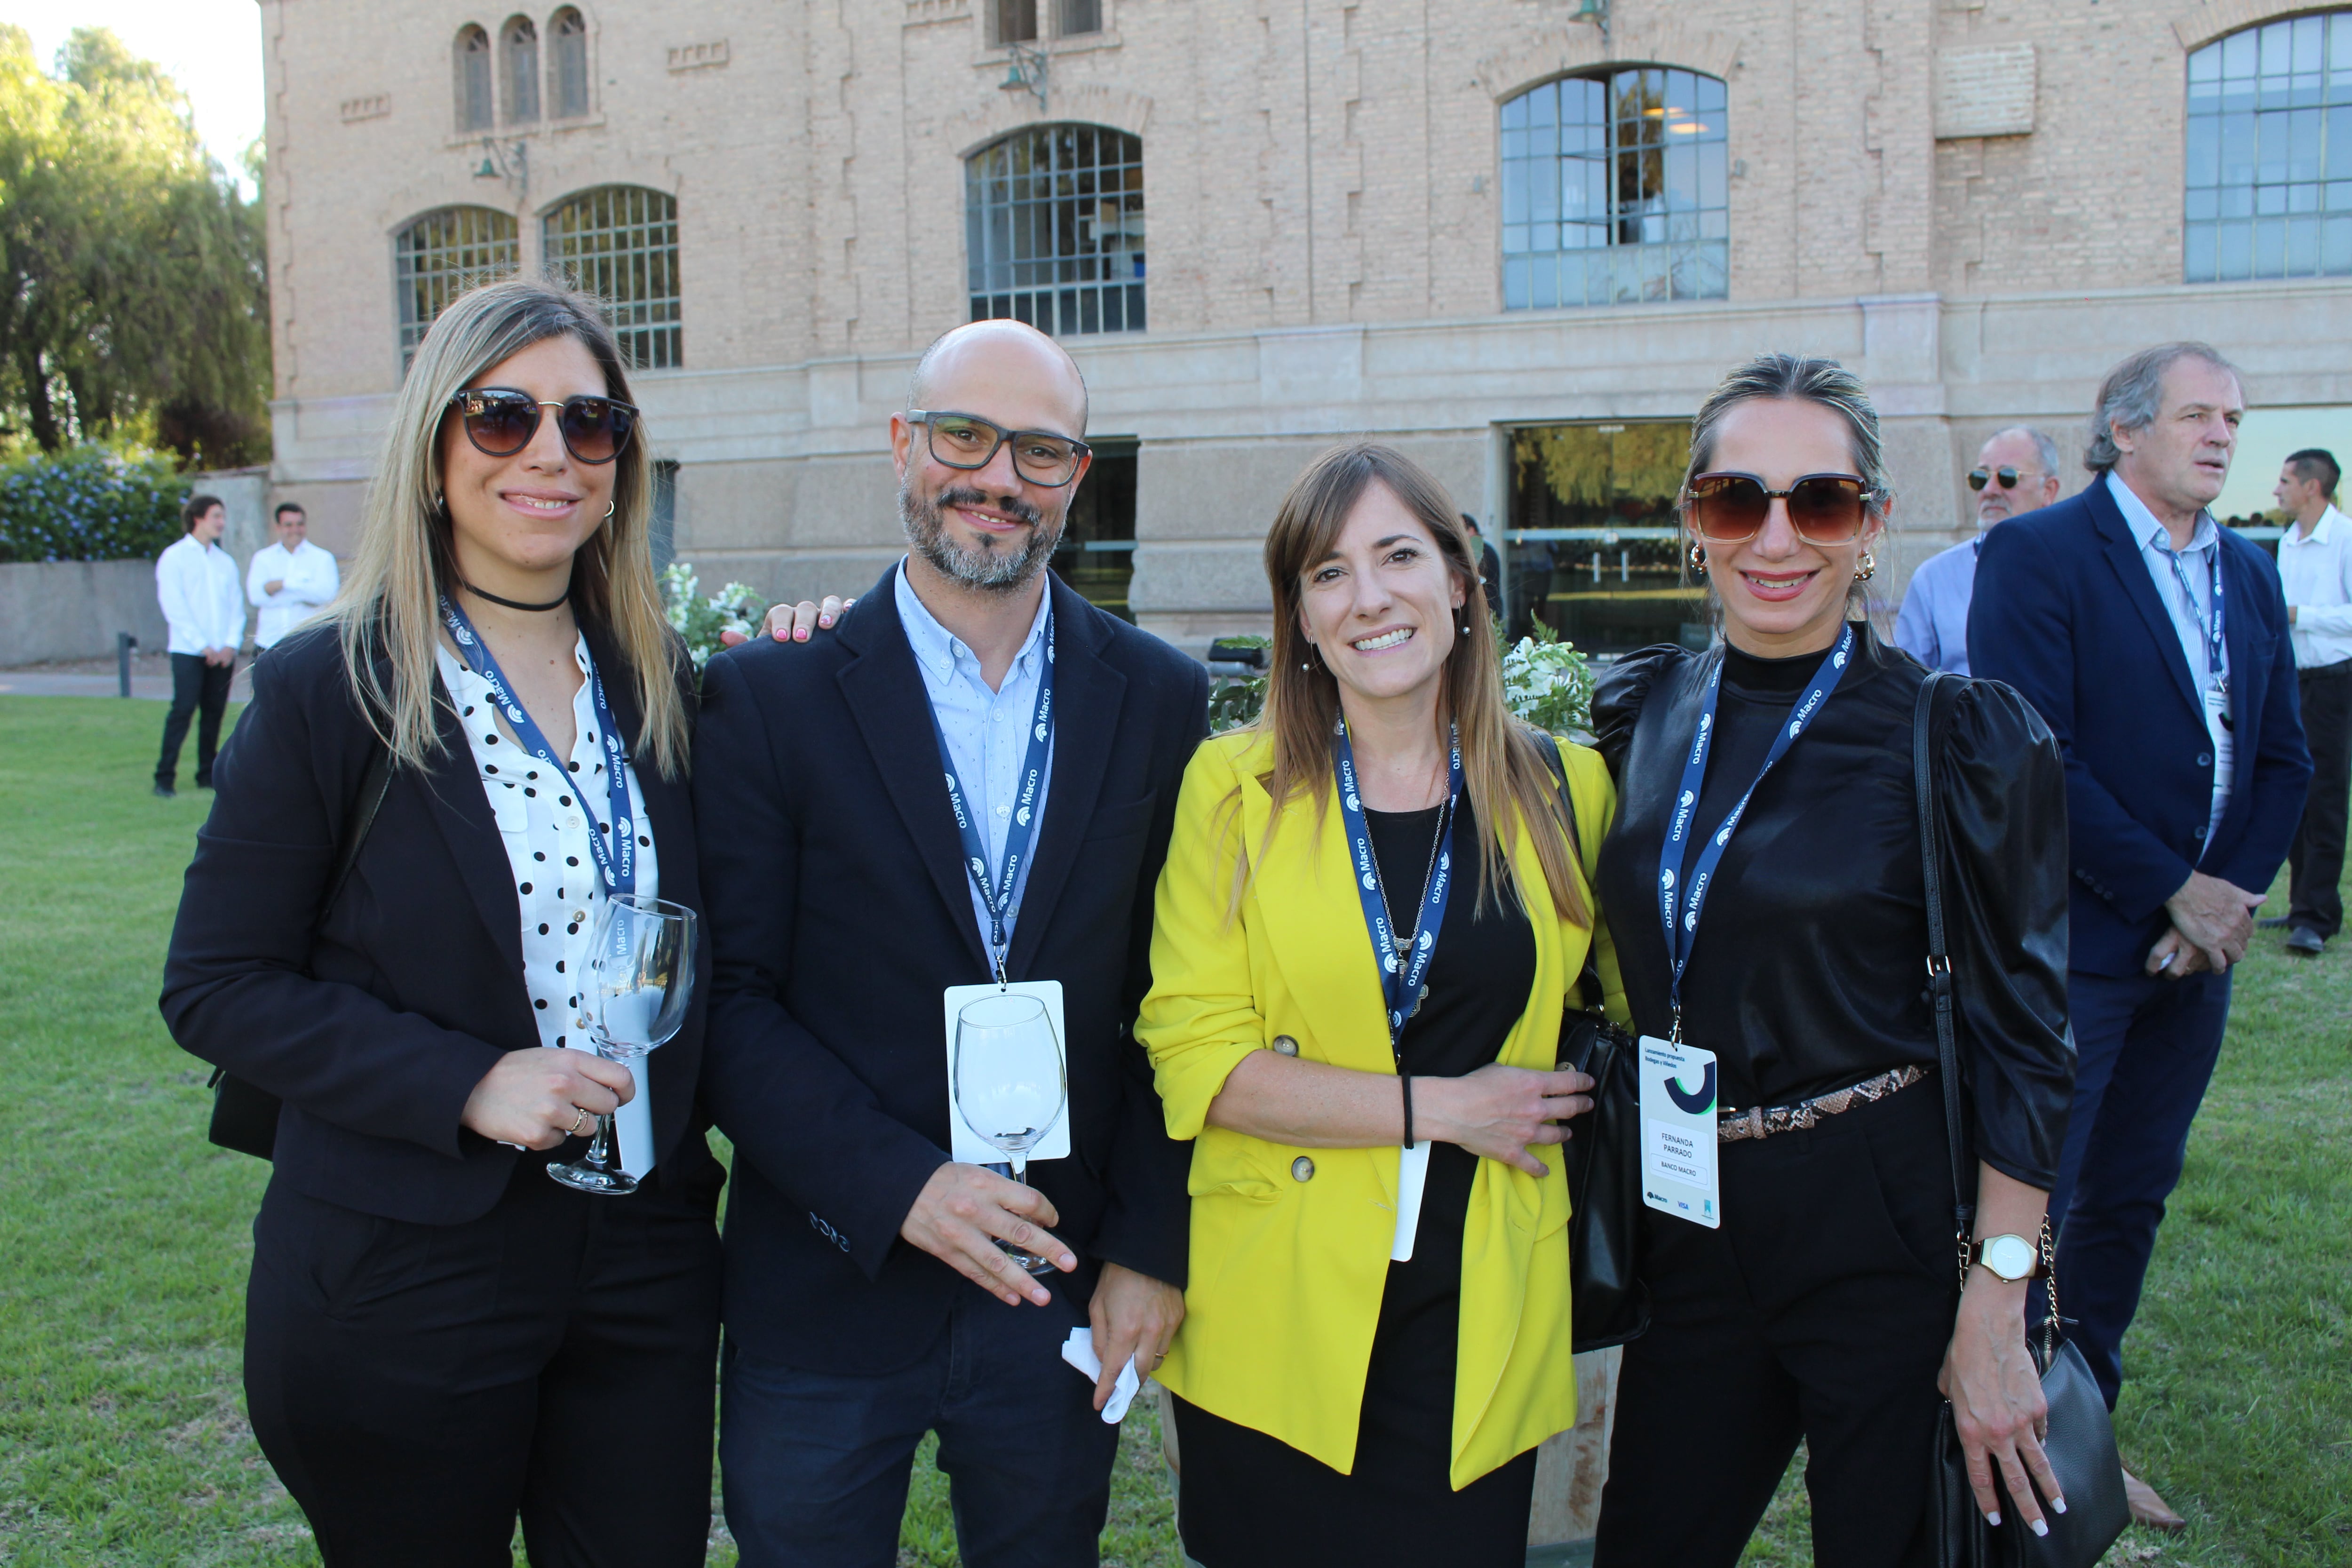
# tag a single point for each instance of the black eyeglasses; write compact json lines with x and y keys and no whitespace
{"x":1978,"y":477}
{"x":500,"y":421}
{"x":1824,"y":508}
{"x":968,"y":441}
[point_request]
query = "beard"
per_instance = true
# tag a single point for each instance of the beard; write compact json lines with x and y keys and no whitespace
{"x":992,"y":568}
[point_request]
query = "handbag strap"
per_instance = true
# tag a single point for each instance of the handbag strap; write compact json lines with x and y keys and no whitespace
{"x":1589,"y":988}
{"x":1939,"y":958}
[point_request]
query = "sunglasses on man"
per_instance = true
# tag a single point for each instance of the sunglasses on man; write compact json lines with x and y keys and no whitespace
{"x":1824,"y":508}
{"x":966,"y":441}
{"x":501,"y":421}
{"x":1979,"y":477}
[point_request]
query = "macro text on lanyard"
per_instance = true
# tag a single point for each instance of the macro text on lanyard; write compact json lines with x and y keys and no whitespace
{"x":615,"y":852}
{"x":1017,"y":838}
{"x":1401,"y":976}
{"x":1682,"y":933}
{"x":2217,"y":670}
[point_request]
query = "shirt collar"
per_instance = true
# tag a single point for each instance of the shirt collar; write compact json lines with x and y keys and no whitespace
{"x":2150,"y":530}
{"x":937,"y":649}
{"x":2322,"y":532}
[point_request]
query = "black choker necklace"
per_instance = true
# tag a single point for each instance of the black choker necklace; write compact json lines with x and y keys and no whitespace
{"x":554,"y":603}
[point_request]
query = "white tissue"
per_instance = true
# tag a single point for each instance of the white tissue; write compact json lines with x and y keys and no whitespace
{"x":1079,"y":1349}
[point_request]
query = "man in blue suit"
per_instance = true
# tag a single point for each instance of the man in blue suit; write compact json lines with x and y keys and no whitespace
{"x":2155,"y":644}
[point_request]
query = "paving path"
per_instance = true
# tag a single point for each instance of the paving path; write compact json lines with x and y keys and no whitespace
{"x":149,"y":678}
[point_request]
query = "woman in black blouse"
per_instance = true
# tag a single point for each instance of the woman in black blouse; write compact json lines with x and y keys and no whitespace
{"x":1826,"y":1308}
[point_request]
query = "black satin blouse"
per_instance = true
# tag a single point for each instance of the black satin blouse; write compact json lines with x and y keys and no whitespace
{"x":1810,"y":969}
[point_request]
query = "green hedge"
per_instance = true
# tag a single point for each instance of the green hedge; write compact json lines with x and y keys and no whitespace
{"x":88,"y":503}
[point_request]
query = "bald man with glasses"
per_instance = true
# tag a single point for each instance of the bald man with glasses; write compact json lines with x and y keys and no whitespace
{"x":2016,"y":471}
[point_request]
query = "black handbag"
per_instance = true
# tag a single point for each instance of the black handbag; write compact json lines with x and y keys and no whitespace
{"x":2080,"y":1442}
{"x":244,"y":1117}
{"x":1610,"y":1306}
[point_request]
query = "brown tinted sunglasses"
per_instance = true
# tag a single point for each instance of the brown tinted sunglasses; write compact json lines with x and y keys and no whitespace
{"x":1824,"y":508}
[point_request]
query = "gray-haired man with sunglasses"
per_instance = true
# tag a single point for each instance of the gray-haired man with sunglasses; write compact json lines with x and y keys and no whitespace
{"x":2016,"y":471}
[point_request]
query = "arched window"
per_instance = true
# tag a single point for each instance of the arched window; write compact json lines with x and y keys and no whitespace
{"x":620,"y":244}
{"x":1614,"y":190}
{"x":567,"y":75}
{"x":520,"y":42}
{"x":442,"y":255}
{"x":1053,"y":229}
{"x":2269,"y":153}
{"x":473,"y":53}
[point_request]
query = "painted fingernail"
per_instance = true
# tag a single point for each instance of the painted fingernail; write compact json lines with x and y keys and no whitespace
{"x":2040,"y":1527}
{"x":2059,"y":1503}
{"x":1993,"y":1519}
{"x":799,"y":634}
{"x":824,"y":620}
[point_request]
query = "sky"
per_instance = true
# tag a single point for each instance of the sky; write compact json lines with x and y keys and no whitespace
{"x":211,"y":48}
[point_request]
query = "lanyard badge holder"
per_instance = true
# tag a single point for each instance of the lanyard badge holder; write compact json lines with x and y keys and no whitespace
{"x":1402,"y":973}
{"x":1678,"y":1081}
{"x":2219,"y":724}
{"x":969,"y":1006}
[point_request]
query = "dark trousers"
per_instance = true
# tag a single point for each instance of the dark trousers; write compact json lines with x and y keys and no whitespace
{"x":815,"y":1464}
{"x":2316,"y":863}
{"x":195,"y":684}
{"x":1821,"y":1310}
{"x":2145,"y":1050}
{"x":418,"y":1386}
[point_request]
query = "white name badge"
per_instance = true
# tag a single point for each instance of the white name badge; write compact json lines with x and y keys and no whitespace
{"x":970,"y":1147}
{"x":1678,"y":1131}
{"x":1412,"y":1176}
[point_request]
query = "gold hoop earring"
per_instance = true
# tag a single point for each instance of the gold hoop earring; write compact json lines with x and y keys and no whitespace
{"x":1869,"y":567}
{"x":1698,"y":557}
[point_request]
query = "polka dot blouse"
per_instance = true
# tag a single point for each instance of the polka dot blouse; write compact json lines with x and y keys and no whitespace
{"x":545,"y":822}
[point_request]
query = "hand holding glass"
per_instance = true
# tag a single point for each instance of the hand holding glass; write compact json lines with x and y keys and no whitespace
{"x":640,"y":977}
{"x":1009,"y":1087}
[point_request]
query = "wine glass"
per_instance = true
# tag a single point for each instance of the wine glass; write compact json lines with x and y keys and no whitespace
{"x":1009,"y":1087}
{"x":640,"y":976}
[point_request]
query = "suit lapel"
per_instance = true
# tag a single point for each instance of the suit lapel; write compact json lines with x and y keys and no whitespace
{"x":2131,"y":570}
{"x":884,"y":693}
{"x":1087,"y":697}
{"x":462,"y":811}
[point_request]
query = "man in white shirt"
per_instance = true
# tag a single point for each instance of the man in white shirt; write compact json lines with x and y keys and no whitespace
{"x":290,"y":581}
{"x":196,"y":583}
{"x":2315,"y":569}
{"x":2016,"y":471}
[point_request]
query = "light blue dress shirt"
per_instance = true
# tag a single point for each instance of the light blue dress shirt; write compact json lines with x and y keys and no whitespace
{"x":2191,"y":613}
{"x":1933,"y":626}
{"x":987,"y":732}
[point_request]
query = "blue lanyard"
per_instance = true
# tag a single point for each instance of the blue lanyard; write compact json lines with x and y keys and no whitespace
{"x":1682,"y":934}
{"x":1401,"y":976}
{"x":2216,"y":670}
{"x":617,"y":858}
{"x":998,"y":898}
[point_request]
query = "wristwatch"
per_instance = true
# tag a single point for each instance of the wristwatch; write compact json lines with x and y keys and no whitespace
{"x":2010,"y":1257}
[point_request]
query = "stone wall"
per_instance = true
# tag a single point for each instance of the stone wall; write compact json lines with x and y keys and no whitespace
{"x":72,"y":609}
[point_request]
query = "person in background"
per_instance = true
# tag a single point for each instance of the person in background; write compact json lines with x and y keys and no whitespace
{"x":1490,"y":568}
{"x":195,"y":580}
{"x":2154,"y":643}
{"x":2016,"y":471}
{"x":289,"y":580}
{"x":2315,"y":564}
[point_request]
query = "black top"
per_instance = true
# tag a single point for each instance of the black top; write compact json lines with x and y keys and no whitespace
{"x":1809,"y":970}
{"x":1478,"y":982}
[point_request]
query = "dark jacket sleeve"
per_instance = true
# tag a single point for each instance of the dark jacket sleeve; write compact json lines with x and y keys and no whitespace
{"x":791,"y":1106}
{"x":236,"y":986}
{"x":1618,"y":697}
{"x":2002,"y":786}
{"x":2020,"y":633}
{"x":1147,"y":1224}
{"x":2278,"y":769}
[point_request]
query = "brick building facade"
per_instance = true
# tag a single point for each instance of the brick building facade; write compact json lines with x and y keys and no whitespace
{"x":1978,"y":204}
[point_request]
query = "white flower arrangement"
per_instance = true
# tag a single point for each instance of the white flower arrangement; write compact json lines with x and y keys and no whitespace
{"x":700,"y":620}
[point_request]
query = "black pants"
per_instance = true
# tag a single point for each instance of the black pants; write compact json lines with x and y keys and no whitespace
{"x":195,"y":684}
{"x":1820,"y":1310}
{"x":2316,"y":863}
{"x":418,"y":1386}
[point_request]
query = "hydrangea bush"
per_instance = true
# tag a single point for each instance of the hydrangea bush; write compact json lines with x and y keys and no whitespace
{"x":88,"y":503}
{"x":700,"y":619}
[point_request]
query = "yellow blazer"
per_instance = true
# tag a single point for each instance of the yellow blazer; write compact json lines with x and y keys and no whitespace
{"x":1287,"y":1275}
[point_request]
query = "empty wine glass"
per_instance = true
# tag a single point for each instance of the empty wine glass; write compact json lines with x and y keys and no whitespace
{"x":1010,"y":1086}
{"x":640,"y":977}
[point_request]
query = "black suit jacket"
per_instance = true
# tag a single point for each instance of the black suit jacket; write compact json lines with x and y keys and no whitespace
{"x":841,"y":911}
{"x":375,"y":1025}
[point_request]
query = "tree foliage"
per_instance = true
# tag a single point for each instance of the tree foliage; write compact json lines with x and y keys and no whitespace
{"x":134,"y":279}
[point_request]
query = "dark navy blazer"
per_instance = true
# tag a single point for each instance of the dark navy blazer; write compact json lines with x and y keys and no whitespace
{"x":840,"y":911}
{"x":2065,"y":612}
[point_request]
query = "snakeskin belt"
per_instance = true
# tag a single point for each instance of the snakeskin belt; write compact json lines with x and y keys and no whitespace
{"x":1731,"y":1126}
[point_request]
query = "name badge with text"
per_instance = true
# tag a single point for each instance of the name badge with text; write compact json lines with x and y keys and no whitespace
{"x":1678,"y":1175}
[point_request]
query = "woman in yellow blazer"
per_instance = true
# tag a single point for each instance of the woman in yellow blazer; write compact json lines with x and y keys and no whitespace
{"x":1376,"y":1334}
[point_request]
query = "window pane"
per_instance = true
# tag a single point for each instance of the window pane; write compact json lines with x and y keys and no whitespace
{"x":1061,"y":243}
{"x":2281,"y":165}
{"x":620,"y":244}
{"x":569,"y":69}
{"x":522,"y":71}
{"x":1079,"y":17}
{"x":441,"y":256}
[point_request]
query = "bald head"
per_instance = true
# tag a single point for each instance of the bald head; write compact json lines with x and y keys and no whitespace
{"x":1008,"y":373}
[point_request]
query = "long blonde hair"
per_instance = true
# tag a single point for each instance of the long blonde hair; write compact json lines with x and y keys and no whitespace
{"x":1509,"y":780}
{"x":387,"y":615}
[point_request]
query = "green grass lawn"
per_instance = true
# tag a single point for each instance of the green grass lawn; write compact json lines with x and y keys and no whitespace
{"x":124,"y":1235}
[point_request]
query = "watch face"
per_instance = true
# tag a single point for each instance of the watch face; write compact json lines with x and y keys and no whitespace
{"x":2011,"y":1257}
